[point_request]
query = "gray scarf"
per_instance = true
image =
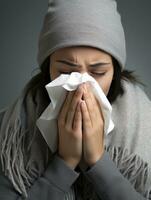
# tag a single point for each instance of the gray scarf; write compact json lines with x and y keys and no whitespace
{"x":129,"y":144}
{"x":21,"y":142}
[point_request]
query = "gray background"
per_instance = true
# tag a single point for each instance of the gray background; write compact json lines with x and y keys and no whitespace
{"x":21,"y":21}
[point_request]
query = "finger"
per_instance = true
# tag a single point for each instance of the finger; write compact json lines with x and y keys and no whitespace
{"x":95,"y":101}
{"x":65,"y":107}
{"x":89,"y":100}
{"x":72,"y":109}
{"x":86,"y":121}
{"x":97,"y":107}
{"x":93,"y":105}
{"x":100,"y":112}
{"x":77,"y":122}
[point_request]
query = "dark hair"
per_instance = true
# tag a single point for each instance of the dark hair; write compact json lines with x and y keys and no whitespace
{"x":116,"y":88}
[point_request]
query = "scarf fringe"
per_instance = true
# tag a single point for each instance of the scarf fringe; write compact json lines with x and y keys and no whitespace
{"x":13,"y":165}
{"x":133,"y":168}
{"x":15,"y":134}
{"x":12,"y":154}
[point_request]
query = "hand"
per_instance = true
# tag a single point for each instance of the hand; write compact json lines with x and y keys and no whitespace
{"x":70,"y":129}
{"x":93,"y":128}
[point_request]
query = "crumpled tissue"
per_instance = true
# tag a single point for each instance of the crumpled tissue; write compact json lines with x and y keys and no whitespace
{"x":57,"y":91}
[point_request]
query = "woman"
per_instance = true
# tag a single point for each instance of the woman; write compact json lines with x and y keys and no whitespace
{"x":87,"y":37}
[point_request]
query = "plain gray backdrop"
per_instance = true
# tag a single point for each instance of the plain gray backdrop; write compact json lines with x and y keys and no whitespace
{"x":21,"y":21}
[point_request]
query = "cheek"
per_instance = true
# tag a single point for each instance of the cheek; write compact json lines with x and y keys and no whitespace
{"x":53,"y":73}
{"x":105,"y":84}
{"x":107,"y":88}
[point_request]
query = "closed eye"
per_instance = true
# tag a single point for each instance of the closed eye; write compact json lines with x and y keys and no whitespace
{"x":93,"y":73}
{"x":65,"y":72}
{"x":98,"y":74}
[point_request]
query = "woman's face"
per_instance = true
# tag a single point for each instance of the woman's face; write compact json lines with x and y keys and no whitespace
{"x":82,"y":59}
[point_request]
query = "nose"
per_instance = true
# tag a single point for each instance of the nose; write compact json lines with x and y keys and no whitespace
{"x":82,"y":69}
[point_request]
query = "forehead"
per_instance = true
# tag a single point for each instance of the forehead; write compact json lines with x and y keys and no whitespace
{"x":79,"y":52}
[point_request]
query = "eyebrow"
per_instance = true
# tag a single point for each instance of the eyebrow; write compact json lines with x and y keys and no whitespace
{"x":76,"y":64}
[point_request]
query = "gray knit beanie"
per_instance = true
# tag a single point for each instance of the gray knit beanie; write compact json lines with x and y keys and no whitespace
{"x":94,"y":23}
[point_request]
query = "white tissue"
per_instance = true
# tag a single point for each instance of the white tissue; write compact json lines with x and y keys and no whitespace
{"x":57,"y":90}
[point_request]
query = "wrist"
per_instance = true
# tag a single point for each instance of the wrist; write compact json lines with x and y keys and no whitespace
{"x":95,"y":159}
{"x":70,"y":162}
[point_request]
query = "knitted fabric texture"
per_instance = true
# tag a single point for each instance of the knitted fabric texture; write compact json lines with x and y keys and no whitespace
{"x":94,"y":23}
